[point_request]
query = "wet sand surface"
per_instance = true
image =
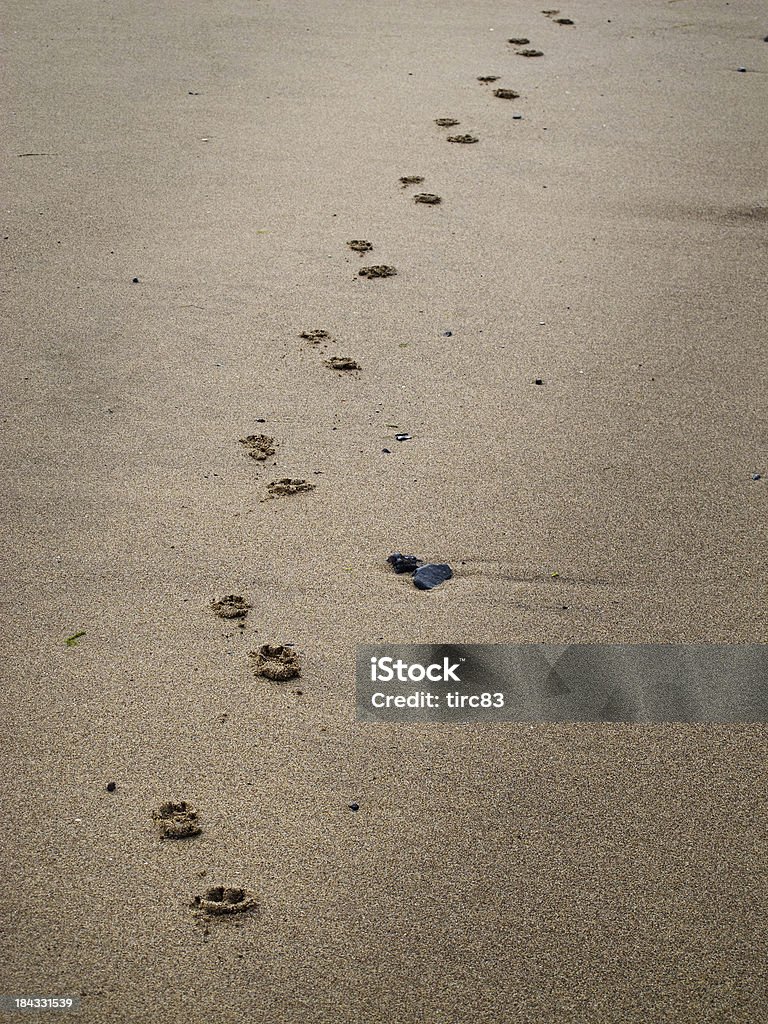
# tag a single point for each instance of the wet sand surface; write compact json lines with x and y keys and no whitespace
{"x":610,"y":243}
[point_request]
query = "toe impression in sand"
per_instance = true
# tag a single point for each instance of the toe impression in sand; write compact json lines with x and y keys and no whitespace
{"x":379,"y":270}
{"x":286,"y":486}
{"x":341,"y":363}
{"x":177,"y":820}
{"x":224,"y":900}
{"x":258,"y":446}
{"x":232,"y":606}
{"x":277,"y":662}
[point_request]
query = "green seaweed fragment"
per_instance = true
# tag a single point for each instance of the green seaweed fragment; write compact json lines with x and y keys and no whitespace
{"x":71,"y":641}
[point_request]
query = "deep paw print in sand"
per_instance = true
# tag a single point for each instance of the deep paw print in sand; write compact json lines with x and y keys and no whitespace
{"x":522,"y":41}
{"x":446,"y":122}
{"x":276,"y":662}
{"x":428,"y":198}
{"x":411,"y":179}
{"x":177,"y":820}
{"x":506,"y":94}
{"x":341,"y":363}
{"x":530,"y":53}
{"x":281,"y":488}
{"x":232,"y":606}
{"x":315,"y":337}
{"x":377,"y":271}
{"x":360,"y":245}
{"x":222,"y":900}
{"x":258,"y":446}
{"x":465,"y":139}
{"x":485,"y":79}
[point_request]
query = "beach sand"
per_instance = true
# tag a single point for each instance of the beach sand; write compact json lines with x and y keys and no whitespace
{"x":610,"y":243}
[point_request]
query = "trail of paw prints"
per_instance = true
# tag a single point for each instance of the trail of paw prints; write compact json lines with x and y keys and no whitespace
{"x":423,"y":198}
{"x":451,"y":122}
{"x":553,"y":15}
{"x":502,"y":92}
{"x":179,"y":820}
{"x":526,"y":51}
{"x":322,"y":338}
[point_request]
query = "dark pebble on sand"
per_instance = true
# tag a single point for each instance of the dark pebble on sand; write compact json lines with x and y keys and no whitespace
{"x":386,"y":451}
{"x":354,"y":807}
{"x":429,"y":576}
{"x":404,"y":563}
{"x":538,"y":381}
{"x":757,"y":476}
{"x":111,"y":787}
{"x":135,"y":280}
{"x":741,"y":69}
{"x":447,"y":334}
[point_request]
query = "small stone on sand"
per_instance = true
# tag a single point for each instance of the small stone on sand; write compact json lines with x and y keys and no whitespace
{"x":432,"y":575}
{"x":404,"y":563}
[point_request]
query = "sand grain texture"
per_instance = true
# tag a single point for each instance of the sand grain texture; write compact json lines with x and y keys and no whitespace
{"x":613,"y":244}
